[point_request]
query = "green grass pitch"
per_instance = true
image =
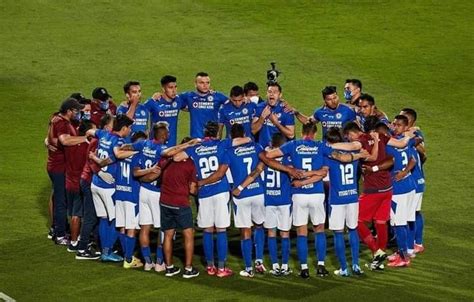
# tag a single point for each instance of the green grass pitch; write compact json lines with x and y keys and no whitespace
{"x":407,"y":53}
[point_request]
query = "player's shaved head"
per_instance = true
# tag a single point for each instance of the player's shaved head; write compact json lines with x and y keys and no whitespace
{"x":402,"y":119}
{"x":160,"y":131}
{"x":278,"y":139}
{"x":351,"y":127}
{"x":237,"y":130}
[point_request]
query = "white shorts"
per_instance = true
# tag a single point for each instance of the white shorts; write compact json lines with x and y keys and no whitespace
{"x":214,"y":211}
{"x":343,"y":214}
{"x":149,"y":208}
{"x":126,"y":215}
{"x":400,"y":208}
{"x":248,"y":210}
{"x":311,"y":205}
{"x":278,"y":217}
{"x":103,"y":202}
{"x":418,"y":200}
{"x":412,"y":203}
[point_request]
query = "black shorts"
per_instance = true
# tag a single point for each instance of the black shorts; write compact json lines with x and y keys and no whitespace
{"x":176,"y":217}
{"x":74,"y":204}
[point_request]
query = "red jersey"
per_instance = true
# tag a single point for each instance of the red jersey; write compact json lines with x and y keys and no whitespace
{"x":97,"y":113}
{"x":90,"y":166}
{"x":75,"y":159}
{"x":175,"y":180}
{"x":56,"y":159}
{"x":379,"y":181}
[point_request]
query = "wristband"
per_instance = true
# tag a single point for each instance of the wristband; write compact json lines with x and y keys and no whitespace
{"x":375,"y":168}
{"x":240,"y":188}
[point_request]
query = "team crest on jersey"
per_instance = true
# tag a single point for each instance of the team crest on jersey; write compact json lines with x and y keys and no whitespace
{"x":338,"y":115}
{"x":174,"y":104}
{"x":245,"y":111}
{"x":142,"y":112}
{"x":231,"y":122}
{"x":278,"y":115}
{"x":195,"y":104}
{"x":161,"y":113}
{"x":210,"y":98}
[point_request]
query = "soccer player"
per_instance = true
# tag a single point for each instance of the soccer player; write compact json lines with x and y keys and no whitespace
{"x":419,"y":177}
{"x":271,"y":117}
{"x":331,"y":114}
{"x":308,"y":200}
{"x":127,"y":190}
{"x":374,"y":202}
{"x":367,"y":108}
{"x":236,"y":111}
{"x":61,"y":133}
{"x":103,"y":189}
{"x":403,"y":199}
{"x":203,"y":104}
{"x":75,"y":157}
{"x":252,"y":94}
{"x":165,"y":107}
{"x":133,"y":108}
{"x":101,"y":104}
{"x":352,"y":91}
{"x":178,"y":180}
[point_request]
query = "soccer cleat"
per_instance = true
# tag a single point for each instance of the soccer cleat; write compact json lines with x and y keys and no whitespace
{"x":393,"y":257}
{"x":399,"y":262}
{"x":411,"y":255}
{"x":135,"y":263}
{"x":148,"y":266}
{"x":275,"y":272}
{"x":160,"y":267}
{"x":321,"y":271}
{"x":112,"y":257}
{"x":356,"y":270}
{"x":419,"y":248}
{"x":247,"y":273}
{"x":211,"y":270}
{"x":72,"y":248}
{"x":285,"y":272}
{"x":86,"y":255}
{"x":224,"y":272}
{"x":259,"y":267}
{"x":51,"y":234}
{"x":379,"y":257}
{"x":304,"y":273}
{"x":190,"y":273}
{"x":61,"y":240}
{"x":373,"y":267}
{"x":342,"y":272}
{"x":170,"y":272}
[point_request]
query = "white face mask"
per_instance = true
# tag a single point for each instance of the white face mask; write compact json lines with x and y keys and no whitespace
{"x":254,"y":99}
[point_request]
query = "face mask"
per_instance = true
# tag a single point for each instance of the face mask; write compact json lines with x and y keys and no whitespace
{"x":77,"y":116}
{"x":104,"y":105}
{"x":347,"y":95}
{"x":86,"y":115}
{"x":254,"y":99}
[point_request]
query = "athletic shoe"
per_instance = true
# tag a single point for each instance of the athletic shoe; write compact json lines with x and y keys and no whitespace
{"x":93,"y":248}
{"x":112,"y":257}
{"x":259,"y":267}
{"x":275,"y":272}
{"x":411,"y":255}
{"x":247,"y":273}
{"x":379,"y":257}
{"x":342,"y":272}
{"x":160,"y":267}
{"x":148,"y":266}
{"x":170,"y":272}
{"x":322,"y":271}
{"x":393,"y":257}
{"x":224,"y":272}
{"x":86,"y":255}
{"x":399,"y":262}
{"x":373,"y":267}
{"x":61,"y":241}
{"x":285,"y":272}
{"x":211,"y":270}
{"x":190,"y":273}
{"x":356,"y":270}
{"x":72,"y":248}
{"x":419,"y":248}
{"x":135,"y":263}
{"x":51,"y":234}
{"x":304,"y":273}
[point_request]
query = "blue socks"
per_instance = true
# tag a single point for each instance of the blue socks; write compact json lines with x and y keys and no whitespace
{"x":130,"y":248}
{"x":146,"y":253}
{"x":302,"y":249}
{"x":246,"y":247}
{"x":420,"y":223}
{"x":285,"y":250}
{"x":273,"y":249}
{"x":340,"y":247}
{"x":113,"y":233}
{"x":159,"y":254}
{"x":208,"y":243}
{"x":103,"y":235}
{"x":221,"y":249}
{"x":411,"y":235}
{"x":259,"y":238}
{"x":123,"y":242}
{"x":320,"y":245}
{"x":354,"y":242}
{"x":401,"y":233}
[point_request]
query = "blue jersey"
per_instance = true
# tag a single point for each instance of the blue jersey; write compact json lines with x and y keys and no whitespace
{"x":150,"y":154}
{"x":242,"y":160}
{"x":202,"y":109}
{"x":206,"y":157}
{"x":343,"y":176}
{"x":166,"y":111}
{"x":127,"y":187}
{"x":334,"y":117}
{"x":268,"y":129}
{"x":307,"y":155}
{"x":140,"y":118}
{"x":105,"y":149}
{"x":277,"y":185}
{"x":417,"y":172}
{"x":229,"y":115}
{"x":361,"y":119}
{"x":401,"y":157}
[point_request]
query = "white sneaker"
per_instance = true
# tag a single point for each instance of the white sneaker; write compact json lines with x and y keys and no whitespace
{"x":246,"y":273}
{"x":342,"y":273}
{"x":160,"y":267}
{"x":149,"y":266}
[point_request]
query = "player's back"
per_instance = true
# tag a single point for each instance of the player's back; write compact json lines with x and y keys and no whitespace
{"x":127,"y":187}
{"x":105,"y":149}
{"x":150,"y":155}
{"x":277,"y":185}
{"x":343,"y":176}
